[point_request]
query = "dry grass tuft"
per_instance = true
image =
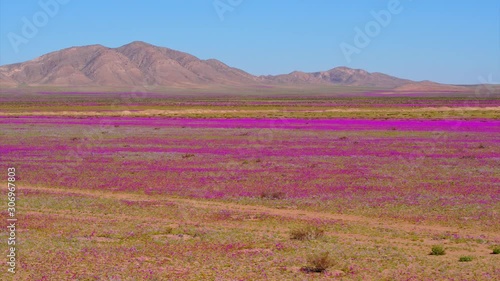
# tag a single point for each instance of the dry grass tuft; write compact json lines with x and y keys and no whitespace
{"x":306,"y":233}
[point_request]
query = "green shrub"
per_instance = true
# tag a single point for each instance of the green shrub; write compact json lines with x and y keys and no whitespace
{"x":437,"y":250}
{"x":318,"y":262}
{"x":496,"y":250}
{"x":465,"y":259}
{"x":306,"y":233}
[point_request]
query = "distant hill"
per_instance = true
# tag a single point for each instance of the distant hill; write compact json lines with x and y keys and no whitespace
{"x":139,"y":64}
{"x":340,"y":76}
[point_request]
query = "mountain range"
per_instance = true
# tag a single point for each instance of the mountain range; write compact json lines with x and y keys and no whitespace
{"x":139,"y":64}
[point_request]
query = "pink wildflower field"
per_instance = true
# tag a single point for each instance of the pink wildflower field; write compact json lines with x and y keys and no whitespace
{"x":124,"y":197}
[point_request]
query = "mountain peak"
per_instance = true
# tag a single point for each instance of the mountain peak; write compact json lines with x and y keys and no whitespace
{"x":138,"y":44}
{"x":348,"y":70}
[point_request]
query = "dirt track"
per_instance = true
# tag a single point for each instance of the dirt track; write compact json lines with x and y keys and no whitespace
{"x":284,"y":213}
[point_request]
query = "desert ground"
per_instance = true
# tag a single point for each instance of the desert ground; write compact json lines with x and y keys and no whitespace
{"x":341,"y":184}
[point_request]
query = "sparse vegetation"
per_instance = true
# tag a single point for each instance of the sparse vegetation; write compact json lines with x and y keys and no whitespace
{"x":306,"y":233}
{"x":496,"y":250}
{"x":437,"y":250}
{"x":273,"y":195}
{"x":318,"y":262}
{"x":465,"y":259}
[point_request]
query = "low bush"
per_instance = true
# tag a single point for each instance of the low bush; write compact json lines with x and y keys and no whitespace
{"x":465,"y":259}
{"x":273,"y":195}
{"x":437,"y":250}
{"x":496,"y":250}
{"x":318,"y":262}
{"x":306,"y":233}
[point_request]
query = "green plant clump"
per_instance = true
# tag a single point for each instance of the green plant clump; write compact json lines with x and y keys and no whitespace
{"x":465,"y":259}
{"x":496,"y":250}
{"x":437,"y":250}
{"x":319,"y":262}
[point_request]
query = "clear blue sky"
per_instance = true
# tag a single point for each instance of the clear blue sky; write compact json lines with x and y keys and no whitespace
{"x":444,"y":41}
